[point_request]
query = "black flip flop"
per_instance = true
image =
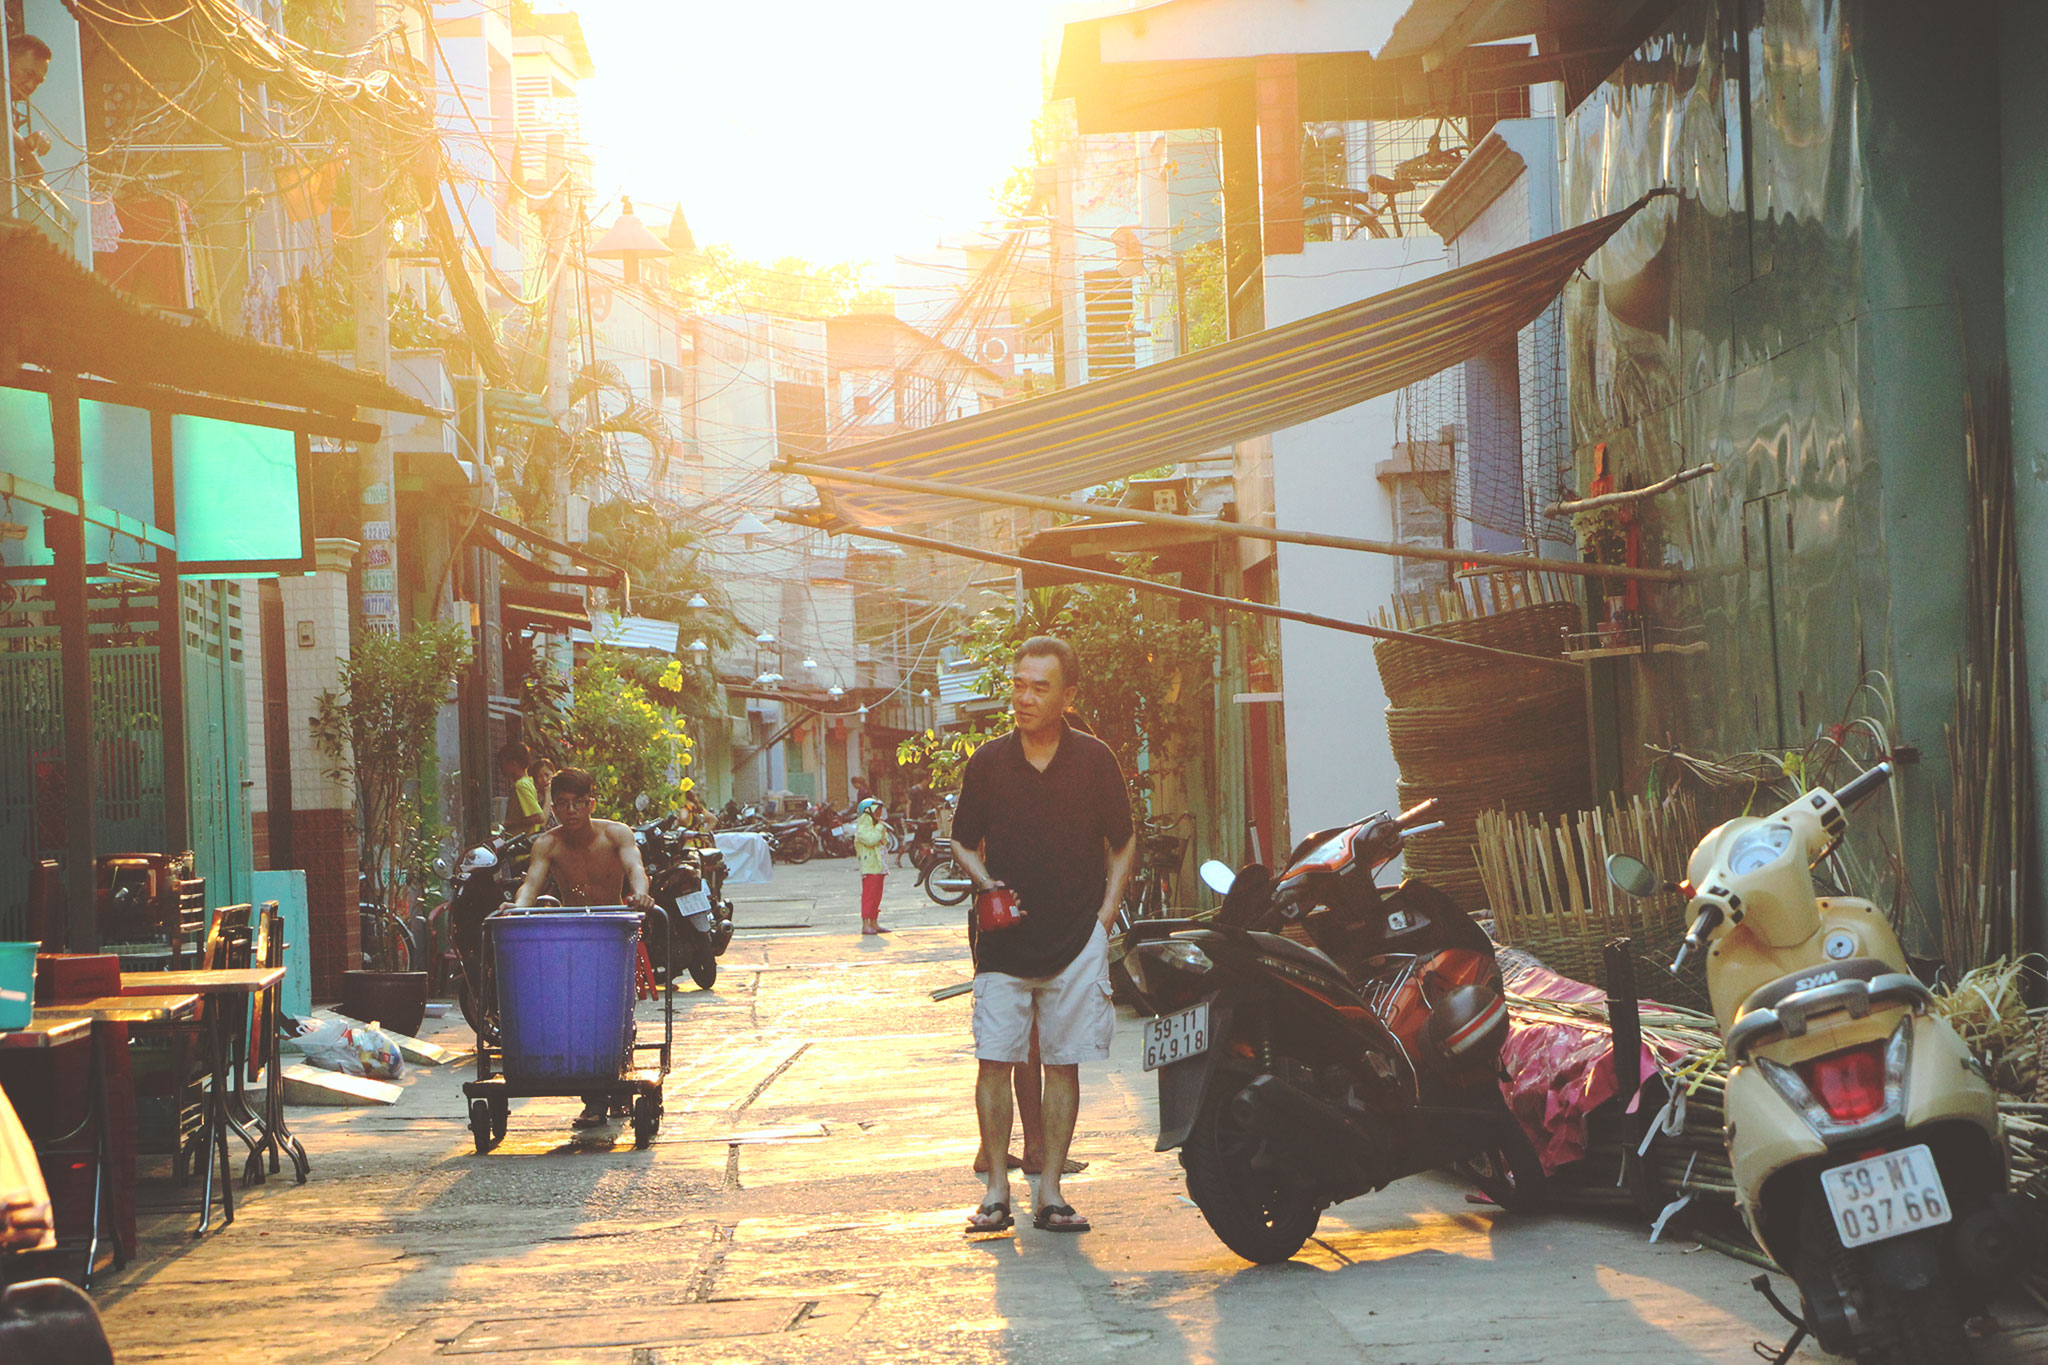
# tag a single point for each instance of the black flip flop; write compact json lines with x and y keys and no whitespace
{"x":1043,"y":1220}
{"x":1003,"y":1222}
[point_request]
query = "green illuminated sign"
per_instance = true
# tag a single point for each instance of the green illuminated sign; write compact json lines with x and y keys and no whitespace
{"x":238,"y":495}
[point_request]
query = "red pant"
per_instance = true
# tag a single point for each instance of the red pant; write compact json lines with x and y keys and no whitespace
{"x":871,"y":895}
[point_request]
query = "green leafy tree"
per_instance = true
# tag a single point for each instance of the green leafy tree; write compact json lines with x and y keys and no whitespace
{"x":611,"y":727}
{"x":378,"y":730}
{"x":719,"y":279}
{"x":1143,"y":666}
{"x":1199,"y":279}
{"x":943,"y":757}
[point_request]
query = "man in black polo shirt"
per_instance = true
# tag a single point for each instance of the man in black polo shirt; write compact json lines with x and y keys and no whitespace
{"x":1043,"y":810}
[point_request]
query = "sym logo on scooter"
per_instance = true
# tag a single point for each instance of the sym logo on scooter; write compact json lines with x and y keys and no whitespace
{"x":1807,"y":983}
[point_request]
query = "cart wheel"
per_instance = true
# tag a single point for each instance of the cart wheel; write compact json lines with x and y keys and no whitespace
{"x":646,"y":1119}
{"x":480,"y":1124}
{"x":500,"y":1109}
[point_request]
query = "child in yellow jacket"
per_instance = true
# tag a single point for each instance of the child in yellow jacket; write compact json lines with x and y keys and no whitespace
{"x":869,"y":839}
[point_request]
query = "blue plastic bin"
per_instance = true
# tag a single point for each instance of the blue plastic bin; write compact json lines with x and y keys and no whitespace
{"x":565,"y":992}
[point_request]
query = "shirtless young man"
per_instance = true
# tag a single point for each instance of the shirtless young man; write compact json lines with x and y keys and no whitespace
{"x":590,"y":862}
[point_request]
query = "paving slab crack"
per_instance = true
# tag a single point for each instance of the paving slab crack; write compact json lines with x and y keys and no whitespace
{"x":768,"y":1080}
{"x":698,"y":1289}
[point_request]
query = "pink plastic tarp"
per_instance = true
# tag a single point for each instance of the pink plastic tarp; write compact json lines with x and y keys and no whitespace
{"x":1560,"y":1072}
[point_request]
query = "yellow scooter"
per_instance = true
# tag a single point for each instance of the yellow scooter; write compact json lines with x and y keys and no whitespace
{"x":1864,"y":1137}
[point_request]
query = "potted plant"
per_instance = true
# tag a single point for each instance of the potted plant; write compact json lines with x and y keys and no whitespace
{"x":378,"y":731}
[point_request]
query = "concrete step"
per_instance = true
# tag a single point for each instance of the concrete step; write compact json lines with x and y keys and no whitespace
{"x":308,"y":1084}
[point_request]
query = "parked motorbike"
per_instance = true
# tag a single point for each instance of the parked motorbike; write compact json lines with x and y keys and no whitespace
{"x":920,"y":839}
{"x":793,"y":841}
{"x":1294,"y":1076}
{"x":1864,"y":1137}
{"x":835,"y":831}
{"x":686,"y":874}
{"x":483,"y":879}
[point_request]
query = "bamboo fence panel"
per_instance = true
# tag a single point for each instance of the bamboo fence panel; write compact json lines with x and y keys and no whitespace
{"x":1545,"y":880}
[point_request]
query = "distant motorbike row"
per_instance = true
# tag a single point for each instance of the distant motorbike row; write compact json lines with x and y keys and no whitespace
{"x":822,"y":831}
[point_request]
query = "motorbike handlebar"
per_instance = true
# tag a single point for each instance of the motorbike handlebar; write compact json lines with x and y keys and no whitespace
{"x":1430,"y":828}
{"x":1696,"y":937}
{"x":1416,"y":813}
{"x":1857,"y":788}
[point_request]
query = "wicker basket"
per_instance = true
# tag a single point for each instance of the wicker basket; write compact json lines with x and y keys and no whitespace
{"x":1416,"y":675}
{"x":1478,"y":735}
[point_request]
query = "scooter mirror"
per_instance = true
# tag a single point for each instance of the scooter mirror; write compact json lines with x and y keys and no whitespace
{"x":1218,"y":877}
{"x":1633,"y":875}
{"x":640,"y":802}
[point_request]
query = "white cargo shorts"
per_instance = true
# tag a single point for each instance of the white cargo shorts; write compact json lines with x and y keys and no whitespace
{"x":1075,"y":1016}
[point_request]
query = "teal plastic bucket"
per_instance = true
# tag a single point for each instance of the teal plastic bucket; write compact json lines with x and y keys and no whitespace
{"x":17,"y":984}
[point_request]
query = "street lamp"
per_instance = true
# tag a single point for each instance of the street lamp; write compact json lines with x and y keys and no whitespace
{"x":809,"y":662}
{"x":697,"y":600}
{"x":698,"y":647}
{"x":766,"y":637}
{"x":629,"y":240}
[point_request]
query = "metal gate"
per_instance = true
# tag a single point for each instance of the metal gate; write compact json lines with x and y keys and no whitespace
{"x":217,"y":741}
{"x":127,"y":750}
{"x":127,"y":763}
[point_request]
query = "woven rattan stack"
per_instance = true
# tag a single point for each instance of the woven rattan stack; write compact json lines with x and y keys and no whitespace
{"x":1481,"y":736}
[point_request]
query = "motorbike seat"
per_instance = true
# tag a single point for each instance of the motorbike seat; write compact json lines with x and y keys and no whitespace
{"x":1772,"y":993}
{"x":1283,"y":947}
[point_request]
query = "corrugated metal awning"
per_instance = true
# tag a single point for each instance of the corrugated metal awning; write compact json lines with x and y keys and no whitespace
{"x":1186,"y":407}
{"x":643,"y":633}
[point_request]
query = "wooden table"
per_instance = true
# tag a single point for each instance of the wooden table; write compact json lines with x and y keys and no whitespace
{"x":271,"y":1137}
{"x":163,"y":1007}
{"x":232,"y":981}
{"x":46,"y":1030}
{"x":55,"y":1026}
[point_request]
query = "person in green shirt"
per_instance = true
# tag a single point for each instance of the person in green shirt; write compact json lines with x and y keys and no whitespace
{"x":525,"y":816}
{"x":869,"y":838}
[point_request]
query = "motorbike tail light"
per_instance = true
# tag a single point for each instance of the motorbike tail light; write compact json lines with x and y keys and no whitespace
{"x":1849,"y":1085}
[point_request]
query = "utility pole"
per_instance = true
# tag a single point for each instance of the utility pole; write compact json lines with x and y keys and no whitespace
{"x":371,"y":296}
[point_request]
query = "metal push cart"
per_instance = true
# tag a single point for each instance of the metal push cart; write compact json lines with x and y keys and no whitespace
{"x":631,"y":1083}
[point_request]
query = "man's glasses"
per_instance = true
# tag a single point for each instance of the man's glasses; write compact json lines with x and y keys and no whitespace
{"x":574,"y":802}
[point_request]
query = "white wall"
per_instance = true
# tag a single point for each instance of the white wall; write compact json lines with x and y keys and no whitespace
{"x":1340,"y":764}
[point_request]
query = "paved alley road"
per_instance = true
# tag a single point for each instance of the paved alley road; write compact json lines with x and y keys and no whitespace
{"x":805,"y":1200}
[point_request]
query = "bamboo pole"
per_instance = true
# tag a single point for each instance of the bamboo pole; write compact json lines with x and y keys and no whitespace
{"x":1190,"y":595}
{"x":1628,"y":495}
{"x":1095,"y":511}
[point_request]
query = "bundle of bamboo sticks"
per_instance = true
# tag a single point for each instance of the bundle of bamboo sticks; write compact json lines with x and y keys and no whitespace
{"x":1981,"y":845}
{"x":1546,"y":881}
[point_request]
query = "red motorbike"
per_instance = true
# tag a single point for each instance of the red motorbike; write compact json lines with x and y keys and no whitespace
{"x":1359,"y":1044}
